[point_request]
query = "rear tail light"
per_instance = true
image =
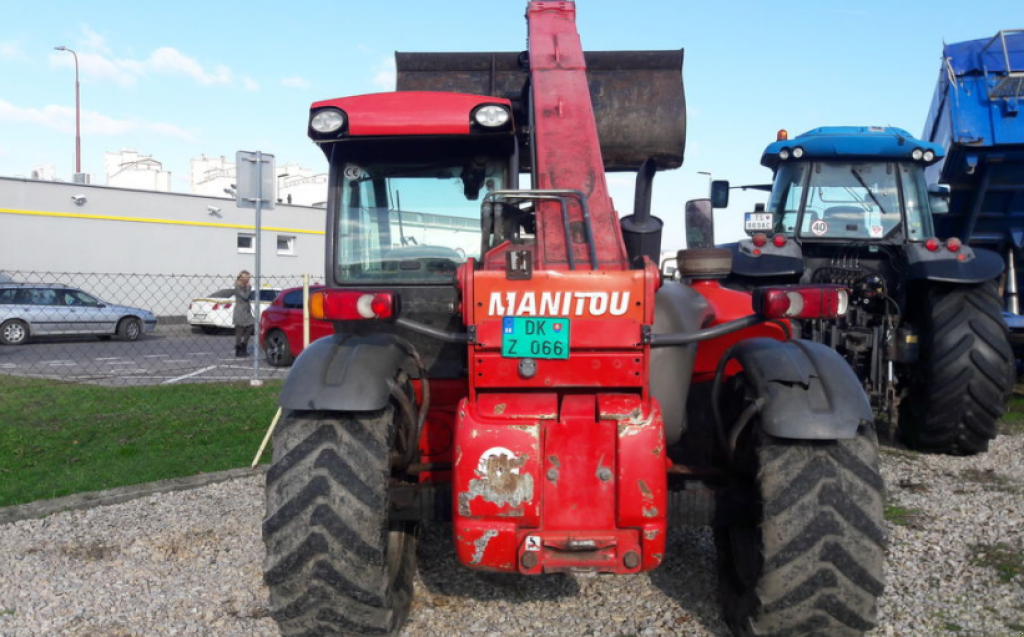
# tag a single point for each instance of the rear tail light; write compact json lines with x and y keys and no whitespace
{"x":760,"y":239}
{"x":802,"y":301}
{"x":779,"y":240}
{"x":932,"y":245}
{"x":222,"y":306}
{"x":352,"y":305}
{"x":953,"y":244}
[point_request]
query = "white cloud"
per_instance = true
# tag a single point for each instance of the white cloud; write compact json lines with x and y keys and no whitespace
{"x":62,"y":119}
{"x":173,"y":61}
{"x":385,"y":75}
{"x":250,"y":84}
{"x":11,"y":51}
{"x":93,"y":41}
{"x":96,"y":63}
{"x":295,"y":82}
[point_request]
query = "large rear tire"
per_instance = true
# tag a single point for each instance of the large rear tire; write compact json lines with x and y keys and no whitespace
{"x":805,"y":555}
{"x":962,"y":383}
{"x":335,"y":566}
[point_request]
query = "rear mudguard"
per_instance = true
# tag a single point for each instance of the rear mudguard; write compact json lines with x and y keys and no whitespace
{"x":809,"y":391}
{"x":969,"y":265}
{"x":346,"y":373}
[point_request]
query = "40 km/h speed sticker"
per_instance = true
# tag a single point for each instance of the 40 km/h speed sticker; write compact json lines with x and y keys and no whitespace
{"x":819,"y":228}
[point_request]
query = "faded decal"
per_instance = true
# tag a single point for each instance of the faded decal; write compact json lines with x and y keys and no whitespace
{"x":499,"y":479}
{"x":533,"y":543}
{"x":481,"y":545}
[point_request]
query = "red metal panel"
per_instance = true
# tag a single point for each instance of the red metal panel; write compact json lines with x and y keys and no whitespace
{"x":567,"y":148}
{"x":641,"y":479}
{"x":409,"y":113}
{"x":727,"y":305}
{"x":582,"y":369}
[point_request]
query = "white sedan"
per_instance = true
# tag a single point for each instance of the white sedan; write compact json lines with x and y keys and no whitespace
{"x":216,"y":311}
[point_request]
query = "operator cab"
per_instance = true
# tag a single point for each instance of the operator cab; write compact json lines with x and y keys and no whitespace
{"x":849,"y":184}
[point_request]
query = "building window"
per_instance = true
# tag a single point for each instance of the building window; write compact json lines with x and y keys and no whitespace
{"x":285,"y":245}
{"x":246,"y":243}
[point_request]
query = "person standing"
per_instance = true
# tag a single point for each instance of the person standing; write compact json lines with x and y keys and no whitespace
{"x":243,"y":317}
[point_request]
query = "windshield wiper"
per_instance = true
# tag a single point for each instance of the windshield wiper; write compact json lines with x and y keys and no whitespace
{"x":871,"y":193}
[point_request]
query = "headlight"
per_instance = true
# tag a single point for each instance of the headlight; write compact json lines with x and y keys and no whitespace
{"x":491,"y":116}
{"x":917,"y":154}
{"x":929,"y":155}
{"x":784,"y":154}
{"x":327,"y":121}
{"x":798,"y":152}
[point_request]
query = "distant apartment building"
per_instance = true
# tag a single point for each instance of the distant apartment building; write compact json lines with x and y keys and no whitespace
{"x":128,"y":169}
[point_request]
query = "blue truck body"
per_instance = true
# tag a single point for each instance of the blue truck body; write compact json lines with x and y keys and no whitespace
{"x":976,"y":115}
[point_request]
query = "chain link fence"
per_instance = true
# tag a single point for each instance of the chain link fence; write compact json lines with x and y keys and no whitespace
{"x":126,"y":329}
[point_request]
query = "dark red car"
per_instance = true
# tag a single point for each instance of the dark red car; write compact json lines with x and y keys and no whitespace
{"x":281,"y":327}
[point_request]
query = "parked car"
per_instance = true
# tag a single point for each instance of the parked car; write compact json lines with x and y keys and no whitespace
{"x":215,"y":312}
{"x":41,"y":309}
{"x":281,"y":327}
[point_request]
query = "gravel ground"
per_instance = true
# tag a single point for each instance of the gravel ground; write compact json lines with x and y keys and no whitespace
{"x":188,"y":563}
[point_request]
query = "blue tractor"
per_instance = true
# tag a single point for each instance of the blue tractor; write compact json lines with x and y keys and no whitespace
{"x":850,"y":206}
{"x":976,"y":117}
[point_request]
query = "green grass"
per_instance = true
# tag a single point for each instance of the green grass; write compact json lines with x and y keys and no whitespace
{"x":902,"y":516}
{"x":1007,"y":560}
{"x":59,"y":439}
{"x":1012,"y":424}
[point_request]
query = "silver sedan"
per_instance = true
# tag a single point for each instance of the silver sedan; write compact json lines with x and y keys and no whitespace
{"x":28,"y":310}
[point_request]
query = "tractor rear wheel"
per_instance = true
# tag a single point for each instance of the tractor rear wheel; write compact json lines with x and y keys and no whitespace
{"x":960,"y":386}
{"x":804,"y":555}
{"x":335,"y":565}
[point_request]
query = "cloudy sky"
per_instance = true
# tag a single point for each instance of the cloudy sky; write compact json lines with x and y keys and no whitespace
{"x":178,"y":80}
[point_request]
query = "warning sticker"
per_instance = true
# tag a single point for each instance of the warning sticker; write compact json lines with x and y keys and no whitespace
{"x":876,"y":232}
{"x":819,"y":228}
{"x":532,"y":542}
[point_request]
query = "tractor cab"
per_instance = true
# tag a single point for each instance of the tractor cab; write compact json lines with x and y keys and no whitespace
{"x":848,"y":184}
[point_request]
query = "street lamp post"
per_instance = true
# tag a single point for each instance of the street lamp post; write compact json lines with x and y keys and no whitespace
{"x":702,"y":172}
{"x":78,"y":114}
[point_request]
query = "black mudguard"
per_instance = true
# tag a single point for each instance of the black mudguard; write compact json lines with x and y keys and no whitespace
{"x":346,"y":373}
{"x":809,"y":391}
{"x":977,"y":265}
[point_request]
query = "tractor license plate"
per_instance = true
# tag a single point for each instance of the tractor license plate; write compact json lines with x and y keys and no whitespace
{"x":757,"y":221}
{"x":529,"y":337}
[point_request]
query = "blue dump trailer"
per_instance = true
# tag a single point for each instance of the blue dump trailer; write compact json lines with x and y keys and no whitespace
{"x":976,"y":116}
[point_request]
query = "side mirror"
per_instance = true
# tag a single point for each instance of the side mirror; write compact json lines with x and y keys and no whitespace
{"x":699,"y":221}
{"x":938,"y":198}
{"x":720,"y":193}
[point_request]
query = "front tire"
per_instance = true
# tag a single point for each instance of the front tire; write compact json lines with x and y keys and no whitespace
{"x":963,"y":381}
{"x":129,"y":329}
{"x":335,"y":565}
{"x":279,"y":352}
{"x":807,"y":556}
{"x":14,"y":332}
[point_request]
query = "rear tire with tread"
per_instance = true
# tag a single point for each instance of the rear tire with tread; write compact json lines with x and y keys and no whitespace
{"x":960,"y":387}
{"x":809,"y":559}
{"x":335,"y":565}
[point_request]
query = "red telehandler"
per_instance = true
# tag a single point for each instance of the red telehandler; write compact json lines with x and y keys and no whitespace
{"x":510,"y":360}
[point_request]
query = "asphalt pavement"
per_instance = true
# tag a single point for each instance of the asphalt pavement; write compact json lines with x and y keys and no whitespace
{"x":171,"y":354}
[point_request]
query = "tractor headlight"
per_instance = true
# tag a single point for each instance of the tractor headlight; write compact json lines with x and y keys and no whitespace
{"x":798,"y":152}
{"x":491,"y":116}
{"x":784,"y":154}
{"x":327,"y":121}
{"x":917,"y":154}
{"x":929,"y":155}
